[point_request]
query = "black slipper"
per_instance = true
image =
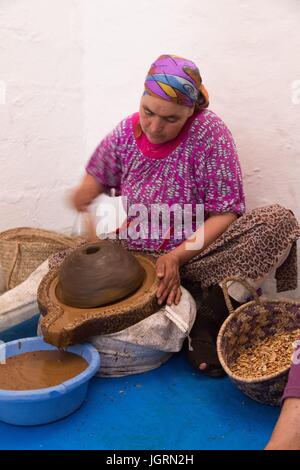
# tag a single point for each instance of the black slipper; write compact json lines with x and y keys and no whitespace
{"x":203,"y":336}
{"x":202,"y":348}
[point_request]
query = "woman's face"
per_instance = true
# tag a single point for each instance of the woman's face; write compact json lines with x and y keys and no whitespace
{"x":162,"y":120}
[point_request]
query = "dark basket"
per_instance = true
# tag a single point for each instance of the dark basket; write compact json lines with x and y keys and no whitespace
{"x":253,"y":322}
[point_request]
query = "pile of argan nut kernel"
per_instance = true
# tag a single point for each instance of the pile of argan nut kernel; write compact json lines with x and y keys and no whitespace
{"x":270,"y":356}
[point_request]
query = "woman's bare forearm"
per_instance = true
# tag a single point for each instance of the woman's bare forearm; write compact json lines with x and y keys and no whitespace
{"x":86,"y":192}
{"x":286,"y":434}
{"x":93,"y":184}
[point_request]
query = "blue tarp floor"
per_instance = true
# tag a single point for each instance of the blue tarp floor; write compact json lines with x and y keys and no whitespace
{"x":170,"y":408}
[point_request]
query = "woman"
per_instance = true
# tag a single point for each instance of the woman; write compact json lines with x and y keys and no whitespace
{"x":176,"y":152}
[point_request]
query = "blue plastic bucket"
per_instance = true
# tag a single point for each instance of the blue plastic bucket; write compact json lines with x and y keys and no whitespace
{"x":35,"y":407}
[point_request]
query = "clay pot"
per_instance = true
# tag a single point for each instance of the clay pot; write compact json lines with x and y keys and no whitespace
{"x":98,"y":274}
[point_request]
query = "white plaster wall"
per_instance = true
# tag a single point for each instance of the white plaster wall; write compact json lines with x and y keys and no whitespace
{"x":41,"y":122}
{"x":73,"y":69}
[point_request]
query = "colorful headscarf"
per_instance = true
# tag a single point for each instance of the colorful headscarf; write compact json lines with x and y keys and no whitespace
{"x":176,"y":79}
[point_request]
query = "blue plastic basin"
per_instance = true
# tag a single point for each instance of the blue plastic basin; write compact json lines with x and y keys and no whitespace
{"x":35,"y":407}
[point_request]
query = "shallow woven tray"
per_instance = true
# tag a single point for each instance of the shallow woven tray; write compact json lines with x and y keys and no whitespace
{"x":24,"y":249}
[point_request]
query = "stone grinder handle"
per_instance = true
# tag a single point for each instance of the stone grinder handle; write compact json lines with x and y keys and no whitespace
{"x":90,"y":227}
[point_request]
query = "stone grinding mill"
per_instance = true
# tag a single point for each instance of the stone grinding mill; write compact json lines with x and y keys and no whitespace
{"x":99,"y":288}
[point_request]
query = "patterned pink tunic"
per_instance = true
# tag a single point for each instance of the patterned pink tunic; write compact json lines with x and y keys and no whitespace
{"x":200,"y":166}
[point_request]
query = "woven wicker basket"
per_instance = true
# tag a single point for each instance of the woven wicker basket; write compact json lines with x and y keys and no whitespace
{"x":248,"y":325}
{"x":23,"y":249}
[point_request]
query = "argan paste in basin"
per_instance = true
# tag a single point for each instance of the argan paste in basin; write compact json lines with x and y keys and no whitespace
{"x":40,"y":369}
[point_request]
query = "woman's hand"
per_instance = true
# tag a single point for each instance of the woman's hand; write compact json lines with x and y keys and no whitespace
{"x":167,"y":270}
{"x":84,"y":195}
